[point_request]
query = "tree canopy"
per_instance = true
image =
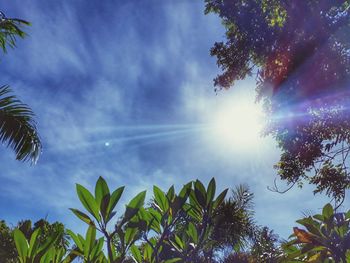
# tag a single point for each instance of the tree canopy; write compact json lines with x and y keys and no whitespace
{"x":299,"y":52}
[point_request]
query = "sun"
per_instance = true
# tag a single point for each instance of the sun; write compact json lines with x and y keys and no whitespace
{"x":238,"y":123}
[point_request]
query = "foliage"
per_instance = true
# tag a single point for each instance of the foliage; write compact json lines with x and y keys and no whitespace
{"x":18,"y":128}
{"x":30,"y":251}
{"x":175,"y":227}
{"x":299,"y":52}
{"x":196,"y":216}
{"x":100,"y":207}
{"x":8,"y":252}
{"x":265,"y":247}
{"x":25,"y":231}
{"x":10,"y":28}
{"x":187,"y":226}
{"x":325,"y":239}
{"x":234,"y":226}
{"x":88,"y":248}
{"x":154,"y":225}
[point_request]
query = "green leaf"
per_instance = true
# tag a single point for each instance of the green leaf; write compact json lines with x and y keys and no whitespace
{"x":199,"y":185}
{"x":154,"y":218}
{"x":82,"y":240}
{"x":319,"y":217}
{"x":179,"y":242}
{"x":177,"y":204}
{"x":313,"y":229}
{"x":138,"y":200}
{"x":104,"y":208}
{"x":133,"y":207}
{"x":97,"y":249}
{"x":50,"y":254}
{"x":193,"y":200}
{"x":129,"y":213}
{"x":192,"y":232}
{"x":33,"y":243}
{"x":192,"y":212}
{"x":130,"y":234}
{"x":343,"y":230}
{"x":144,"y":215}
{"x":200,"y":193}
{"x":90,"y":240}
{"x":113,"y":201}
{"x":88,"y":201}
{"x":147,"y":253}
{"x":160,"y":199}
{"x":49,"y":242}
{"x":76,"y":240}
{"x":327,"y":211}
{"x":101,"y":190}
{"x":21,"y":244}
{"x":185,"y":191}
{"x":136,"y":254}
{"x":200,"y":188}
{"x":211,"y":191}
{"x":171,"y":193}
{"x":82,"y":216}
{"x":220,"y":199}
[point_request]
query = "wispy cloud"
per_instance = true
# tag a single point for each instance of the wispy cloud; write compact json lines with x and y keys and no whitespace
{"x":133,"y":74}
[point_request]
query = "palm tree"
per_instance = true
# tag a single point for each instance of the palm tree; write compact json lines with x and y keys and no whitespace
{"x":234,"y":223}
{"x":17,"y":125}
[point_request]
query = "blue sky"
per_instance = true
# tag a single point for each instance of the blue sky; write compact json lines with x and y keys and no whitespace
{"x":121,"y":89}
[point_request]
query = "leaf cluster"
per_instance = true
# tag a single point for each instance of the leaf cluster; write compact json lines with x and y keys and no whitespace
{"x":326,"y":238}
{"x":10,"y":28}
{"x":176,"y":227}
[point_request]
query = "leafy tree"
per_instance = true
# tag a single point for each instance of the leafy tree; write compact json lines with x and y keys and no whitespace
{"x":265,"y":247}
{"x":325,"y":239}
{"x":234,"y":225}
{"x":25,"y":230}
{"x":299,"y":52}
{"x":176,"y":227}
{"x":184,"y":227}
{"x":188,"y":226}
{"x":17,"y":125}
{"x":30,"y":250}
{"x":8,"y":252}
{"x":101,"y":209}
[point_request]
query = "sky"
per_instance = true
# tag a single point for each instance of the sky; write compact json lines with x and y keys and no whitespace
{"x":124,"y":90}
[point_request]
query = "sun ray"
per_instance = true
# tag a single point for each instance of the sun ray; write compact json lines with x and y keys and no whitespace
{"x":138,"y":135}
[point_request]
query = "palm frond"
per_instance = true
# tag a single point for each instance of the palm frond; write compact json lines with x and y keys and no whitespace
{"x":18,"y":128}
{"x":242,"y":196}
{"x":10,"y":28}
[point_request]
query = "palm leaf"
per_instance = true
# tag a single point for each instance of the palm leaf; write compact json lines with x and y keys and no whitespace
{"x":17,"y":127}
{"x":10,"y":28}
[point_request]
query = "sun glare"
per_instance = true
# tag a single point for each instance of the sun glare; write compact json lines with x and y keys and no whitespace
{"x":238,"y":123}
